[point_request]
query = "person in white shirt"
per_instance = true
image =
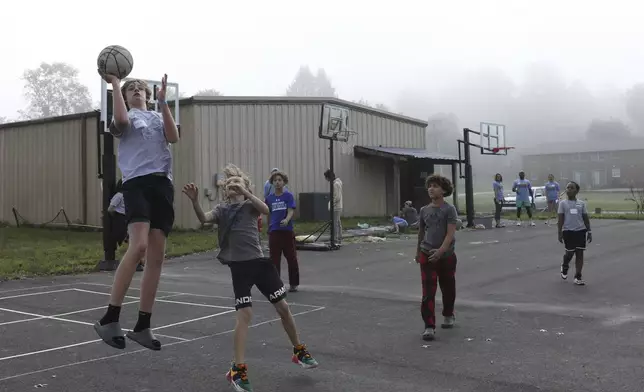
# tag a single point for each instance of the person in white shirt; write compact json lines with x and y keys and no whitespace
{"x":337,"y":204}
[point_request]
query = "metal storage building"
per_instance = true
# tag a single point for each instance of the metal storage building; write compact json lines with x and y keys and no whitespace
{"x":49,"y":164}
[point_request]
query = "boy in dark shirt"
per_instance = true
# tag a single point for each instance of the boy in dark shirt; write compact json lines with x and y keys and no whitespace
{"x":435,"y":253}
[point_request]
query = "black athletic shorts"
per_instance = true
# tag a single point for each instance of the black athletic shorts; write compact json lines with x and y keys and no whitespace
{"x":261,"y":273}
{"x":119,"y":228}
{"x":150,"y":198}
{"x":574,"y":240}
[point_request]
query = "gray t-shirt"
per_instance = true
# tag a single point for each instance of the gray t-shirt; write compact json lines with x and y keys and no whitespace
{"x":410,"y":215}
{"x":573,"y":211}
{"x":435,"y":221}
{"x":242,"y":243}
{"x":143,"y":148}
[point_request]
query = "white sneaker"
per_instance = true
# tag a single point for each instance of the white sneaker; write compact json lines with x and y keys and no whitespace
{"x":532,"y":223}
{"x":579,"y":282}
{"x":519,"y":223}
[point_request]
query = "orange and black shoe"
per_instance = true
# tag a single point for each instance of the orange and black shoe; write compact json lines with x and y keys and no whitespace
{"x":237,"y":376}
{"x":302,"y":357}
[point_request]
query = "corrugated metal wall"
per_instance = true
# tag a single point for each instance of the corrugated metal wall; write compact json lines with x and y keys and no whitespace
{"x":42,"y":169}
{"x":258,"y":137}
{"x":53,"y":164}
{"x":48,"y":165}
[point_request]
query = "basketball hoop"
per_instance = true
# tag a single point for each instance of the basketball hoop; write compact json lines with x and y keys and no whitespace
{"x":496,"y":150}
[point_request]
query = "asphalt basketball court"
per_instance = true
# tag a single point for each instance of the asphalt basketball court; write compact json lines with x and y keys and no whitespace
{"x":519,"y":326}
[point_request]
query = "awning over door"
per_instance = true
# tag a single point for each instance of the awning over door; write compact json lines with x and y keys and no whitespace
{"x":404,"y":154}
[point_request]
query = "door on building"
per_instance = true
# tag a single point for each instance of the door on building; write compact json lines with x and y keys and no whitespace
{"x":597,"y":178}
{"x":577,"y":177}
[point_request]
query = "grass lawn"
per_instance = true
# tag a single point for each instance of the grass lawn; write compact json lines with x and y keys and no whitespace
{"x":27,"y":252}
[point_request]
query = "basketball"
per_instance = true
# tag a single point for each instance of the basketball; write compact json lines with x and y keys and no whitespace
{"x":115,"y":60}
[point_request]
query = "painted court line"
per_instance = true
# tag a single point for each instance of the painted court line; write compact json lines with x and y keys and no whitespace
{"x":99,"y":340}
{"x":194,"y":304}
{"x":75,"y":312}
{"x":160,"y":299}
{"x":195,"y":319}
{"x":200,"y":295}
{"x":38,"y":293}
{"x":142,"y":350}
{"x":100,"y":293}
{"x":39,"y":287}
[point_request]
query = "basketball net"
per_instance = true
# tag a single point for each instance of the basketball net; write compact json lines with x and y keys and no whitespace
{"x":346,"y":148}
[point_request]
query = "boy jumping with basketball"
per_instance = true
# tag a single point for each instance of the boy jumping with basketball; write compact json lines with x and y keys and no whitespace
{"x":435,"y":254}
{"x":240,"y":249}
{"x":574,"y":230}
{"x":145,"y":160}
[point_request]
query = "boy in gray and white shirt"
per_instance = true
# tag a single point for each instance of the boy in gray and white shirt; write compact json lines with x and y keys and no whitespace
{"x":145,"y":160}
{"x":574,"y":230}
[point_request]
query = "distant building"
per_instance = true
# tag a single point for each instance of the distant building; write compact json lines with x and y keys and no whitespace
{"x":592,"y":164}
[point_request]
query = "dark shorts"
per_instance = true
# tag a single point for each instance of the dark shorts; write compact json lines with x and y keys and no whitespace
{"x":574,"y":240}
{"x":261,"y":273}
{"x":119,"y":228}
{"x":150,"y":199}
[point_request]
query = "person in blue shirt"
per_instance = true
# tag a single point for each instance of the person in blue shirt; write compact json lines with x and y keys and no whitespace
{"x":552,"y":196}
{"x":497,"y":186}
{"x":281,"y":237}
{"x":524,"y":197}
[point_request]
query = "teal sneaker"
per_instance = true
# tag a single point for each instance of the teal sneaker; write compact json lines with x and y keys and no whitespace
{"x":237,"y":376}
{"x":302,"y":357}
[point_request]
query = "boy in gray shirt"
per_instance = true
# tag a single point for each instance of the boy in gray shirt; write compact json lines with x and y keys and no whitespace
{"x":145,"y":159}
{"x":574,"y":229}
{"x":435,"y":253}
{"x":241,"y":251}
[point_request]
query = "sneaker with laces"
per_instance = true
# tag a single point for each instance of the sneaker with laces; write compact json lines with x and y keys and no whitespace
{"x":302,"y":357}
{"x":579,"y":281}
{"x":448,"y":322}
{"x":429,"y":334}
{"x":564,"y":272}
{"x":237,"y":376}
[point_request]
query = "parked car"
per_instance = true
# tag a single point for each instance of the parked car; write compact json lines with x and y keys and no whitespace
{"x":540,"y":201}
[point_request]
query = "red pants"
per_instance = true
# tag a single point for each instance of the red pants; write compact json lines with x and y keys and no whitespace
{"x":283,"y":241}
{"x":441,"y":272}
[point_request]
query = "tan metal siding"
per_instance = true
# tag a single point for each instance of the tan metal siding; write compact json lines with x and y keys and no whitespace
{"x":41,"y":172}
{"x":258,"y":137}
{"x":46,"y":166}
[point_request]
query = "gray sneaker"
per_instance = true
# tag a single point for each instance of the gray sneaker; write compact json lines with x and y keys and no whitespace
{"x":448,"y":322}
{"x":429,"y":334}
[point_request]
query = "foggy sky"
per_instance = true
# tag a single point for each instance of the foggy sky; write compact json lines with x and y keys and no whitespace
{"x":373,"y":50}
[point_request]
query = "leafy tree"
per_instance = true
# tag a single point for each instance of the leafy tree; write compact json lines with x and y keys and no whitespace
{"x":306,"y":84}
{"x":634,"y":105}
{"x":54,"y":90}
{"x":379,"y":106}
{"x":611,"y":129}
{"x":208,"y":92}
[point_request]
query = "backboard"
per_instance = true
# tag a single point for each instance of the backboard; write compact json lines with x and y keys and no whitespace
{"x":492,"y":139}
{"x":172,"y":96}
{"x":334,"y":123}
